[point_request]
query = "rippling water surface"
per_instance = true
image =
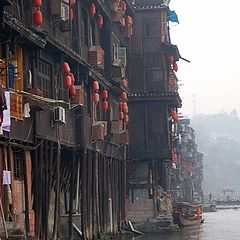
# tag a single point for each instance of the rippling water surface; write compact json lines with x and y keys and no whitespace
{"x":221,"y":225}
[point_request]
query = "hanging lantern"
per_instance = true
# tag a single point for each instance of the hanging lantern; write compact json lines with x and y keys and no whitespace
{"x":65,"y":67}
{"x":175,"y":116}
{"x":95,"y":86}
{"x":100,"y":21}
{"x":125,"y":106}
{"x":126,"y":109}
{"x":124,"y":7}
{"x":72,"y":91}
{"x":121,"y":115}
{"x":171,"y":59}
{"x":120,"y":106}
{"x":124,"y":82}
{"x":37,"y":3}
{"x":175,"y":67}
{"x":105,"y":94}
{"x":92,"y":10}
{"x":68,"y":81}
{"x":72,"y":77}
{"x":105,"y":105}
{"x":72,"y":2}
{"x":126,"y":118}
{"x":129,"y":20}
{"x":96,"y":98}
{"x":71,"y":14}
{"x":38,"y":19}
{"x":124,"y":96}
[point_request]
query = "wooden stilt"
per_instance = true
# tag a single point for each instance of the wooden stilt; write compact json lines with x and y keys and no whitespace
{"x":3,"y":219}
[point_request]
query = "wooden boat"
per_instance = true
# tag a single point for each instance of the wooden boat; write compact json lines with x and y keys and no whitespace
{"x":187,"y":214}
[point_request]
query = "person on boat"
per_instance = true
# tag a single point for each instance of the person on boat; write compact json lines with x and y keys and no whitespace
{"x":199,"y":214}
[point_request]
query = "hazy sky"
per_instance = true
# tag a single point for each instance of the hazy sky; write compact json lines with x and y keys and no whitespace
{"x":209,"y":36}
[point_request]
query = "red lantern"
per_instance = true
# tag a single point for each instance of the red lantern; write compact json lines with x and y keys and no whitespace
{"x":125,"y":106}
{"x":126,"y":118}
{"x":124,"y":82}
{"x":65,"y":67}
{"x":72,"y":77}
{"x":175,"y":116}
{"x":171,"y":59}
{"x":121,"y":115}
{"x":175,"y":67}
{"x":95,"y":86}
{"x":124,"y":96}
{"x":105,"y":94}
{"x":72,"y":91}
{"x":124,"y":7}
{"x":120,"y":106}
{"x":105,"y":105}
{"x":126,"y":109}
{"x":100,"y":21}
{"x":38,"y":3}
{"x":129,"y":20}
{"x":68,"y":81}
{"x":72,"y":2}
{"x":71,"y":15}
{"x":38,"y":19}
{"x":96,"y":98}
{"x":92,"y":10}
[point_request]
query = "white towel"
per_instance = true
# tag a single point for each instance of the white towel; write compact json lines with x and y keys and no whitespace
{"x":6,"y":177}
{"x":27,"y":110}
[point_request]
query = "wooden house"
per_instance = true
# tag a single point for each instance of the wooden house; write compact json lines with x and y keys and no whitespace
{"x":154,"y":101}
{"x":64,"y":64}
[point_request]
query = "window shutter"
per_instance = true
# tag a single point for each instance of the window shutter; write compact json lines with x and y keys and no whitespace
{"x":16,"y":100}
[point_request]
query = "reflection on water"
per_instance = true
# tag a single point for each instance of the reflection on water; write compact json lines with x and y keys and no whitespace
{"x":221,"y":225}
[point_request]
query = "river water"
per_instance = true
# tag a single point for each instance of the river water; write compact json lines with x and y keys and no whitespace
{"x":221,"y":225}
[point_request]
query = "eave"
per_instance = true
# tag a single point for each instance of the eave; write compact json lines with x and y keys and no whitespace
{"x":172,"y":98}
{"x":171,"y":49}
{"x":25,"y":31}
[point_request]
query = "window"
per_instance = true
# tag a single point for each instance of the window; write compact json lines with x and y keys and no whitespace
{"x":18,"y":163}
{"x":150,"y":27}
{"x":45,"y":78}
{"x":156,"y":75}
{"x":84,"y":27}
{"x":120,"y":53}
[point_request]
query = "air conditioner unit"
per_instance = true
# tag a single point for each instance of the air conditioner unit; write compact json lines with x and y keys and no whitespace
{"x":59,"y":115}
{"x":64,"y":11}
{"x":60,"y":10}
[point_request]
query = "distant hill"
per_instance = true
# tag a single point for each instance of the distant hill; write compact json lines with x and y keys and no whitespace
{"x":218,"y":137}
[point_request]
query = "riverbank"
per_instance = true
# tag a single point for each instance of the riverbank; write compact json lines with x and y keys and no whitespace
{"x":220,"y":225}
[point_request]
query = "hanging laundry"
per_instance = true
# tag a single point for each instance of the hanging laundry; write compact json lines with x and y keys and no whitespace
{"x":11,"y":75}
{"x":27,"y":110}
{"x":6,"y":177}
{"x":3,"y":105}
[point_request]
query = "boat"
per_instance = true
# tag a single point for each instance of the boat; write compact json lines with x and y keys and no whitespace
{"x":187,"y":214}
